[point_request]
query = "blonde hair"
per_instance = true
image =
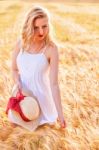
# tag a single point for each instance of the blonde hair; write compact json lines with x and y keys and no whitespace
{"x":28,"y":28}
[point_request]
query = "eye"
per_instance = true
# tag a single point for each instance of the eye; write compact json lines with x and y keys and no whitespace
{"x":45,"y":26}
{"x":35,"y":28}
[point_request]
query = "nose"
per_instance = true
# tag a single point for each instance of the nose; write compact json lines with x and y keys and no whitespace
{"x":41,"y":31}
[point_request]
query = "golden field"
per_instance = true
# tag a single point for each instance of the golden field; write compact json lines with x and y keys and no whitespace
{"x":76,"y":28}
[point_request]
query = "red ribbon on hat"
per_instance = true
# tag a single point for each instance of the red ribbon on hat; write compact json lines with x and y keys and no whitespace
{"x":13,"y":104}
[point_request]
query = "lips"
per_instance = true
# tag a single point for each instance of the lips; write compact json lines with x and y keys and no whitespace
{"x":40,"y":35}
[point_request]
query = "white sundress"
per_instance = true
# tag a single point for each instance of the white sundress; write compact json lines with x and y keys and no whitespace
{"x":34,"y":71}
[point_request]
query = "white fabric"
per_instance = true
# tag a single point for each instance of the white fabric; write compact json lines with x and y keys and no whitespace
{"x":34,"y":70}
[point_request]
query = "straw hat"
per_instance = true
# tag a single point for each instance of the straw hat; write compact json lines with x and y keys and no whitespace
{"x":29,"y":105}
{"x":30,"y":108}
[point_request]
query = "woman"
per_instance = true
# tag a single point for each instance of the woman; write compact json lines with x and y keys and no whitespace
{"x":35,"y":65}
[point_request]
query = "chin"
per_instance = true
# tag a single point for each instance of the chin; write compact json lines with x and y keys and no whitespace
{"x":40,"y":39}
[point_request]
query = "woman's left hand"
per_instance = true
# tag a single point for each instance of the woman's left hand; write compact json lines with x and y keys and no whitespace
{"x":62,"y":122}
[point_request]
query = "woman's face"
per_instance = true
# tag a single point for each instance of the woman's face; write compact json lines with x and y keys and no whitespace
{"x":41,"y":29}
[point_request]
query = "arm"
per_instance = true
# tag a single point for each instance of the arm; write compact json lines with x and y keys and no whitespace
{"x":14,"y":69}
{"x":54,"y":62}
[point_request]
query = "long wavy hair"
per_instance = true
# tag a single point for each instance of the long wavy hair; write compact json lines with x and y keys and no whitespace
{"x":28,"y":28}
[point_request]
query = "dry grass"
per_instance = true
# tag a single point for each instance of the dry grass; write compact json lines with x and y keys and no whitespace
{"x":76,"y":28}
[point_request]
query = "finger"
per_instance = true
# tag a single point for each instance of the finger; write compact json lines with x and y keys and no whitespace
{"x":64,"y":124}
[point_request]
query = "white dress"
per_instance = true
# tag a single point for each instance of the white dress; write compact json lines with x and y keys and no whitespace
{"x":34,"y":71}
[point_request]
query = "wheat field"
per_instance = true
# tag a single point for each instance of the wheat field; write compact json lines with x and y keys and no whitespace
{"x":76,"y":28}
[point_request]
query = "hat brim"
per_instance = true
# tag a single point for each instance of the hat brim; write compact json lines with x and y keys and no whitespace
{"x":16,"y":118}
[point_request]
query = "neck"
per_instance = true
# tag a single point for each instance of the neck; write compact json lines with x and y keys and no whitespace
{"x":36,"y":46}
